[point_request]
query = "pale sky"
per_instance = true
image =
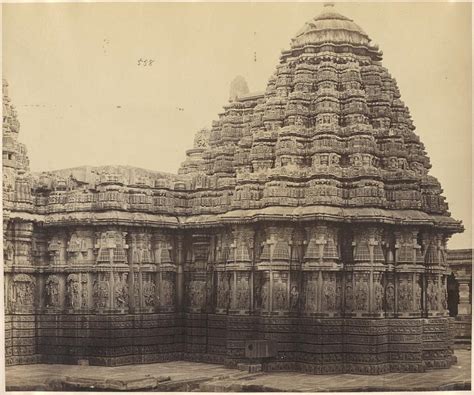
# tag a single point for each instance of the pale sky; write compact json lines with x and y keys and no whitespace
{"x":83,"y":100}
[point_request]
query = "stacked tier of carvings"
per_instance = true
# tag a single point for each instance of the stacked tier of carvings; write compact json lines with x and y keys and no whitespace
{"x":321,"y":125}
{"x":320,"y":269}
{"x":327,"y":131}
{"x":83,"y":270}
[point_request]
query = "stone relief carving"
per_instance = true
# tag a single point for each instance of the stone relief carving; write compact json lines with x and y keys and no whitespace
{"x":361,"y":293}
{"x":52,"y":291}
{"x":405,"y":300}
{"x":196,"y":293}
{"x":223,"y":291}
{"x":329,"y":292}
{"x":84,"y":290}
{"x":78,"y":248}
{"x":294,"y":298}
{"x":280,"y":298}
{"x":242,"y":293}
{"x":149,"y":292}
{"x":378,"y":295}
{"x":168,"y":292}
{"x":55,"y":247}
{"x":101,"y":290}
{"x":121,"y":290}
{"x":311,"y":295}
{"x":390,"y":296}
{"x":73,"y":296}
{"x":114,"y":241}
{"x":432,"y":295}
{"x":22,"y":291}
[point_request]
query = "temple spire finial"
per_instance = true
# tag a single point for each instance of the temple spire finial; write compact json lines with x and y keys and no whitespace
{"x":329,"y":4}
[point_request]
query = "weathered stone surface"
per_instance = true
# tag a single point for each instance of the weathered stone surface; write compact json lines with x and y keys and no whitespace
{"x":305,"y":216}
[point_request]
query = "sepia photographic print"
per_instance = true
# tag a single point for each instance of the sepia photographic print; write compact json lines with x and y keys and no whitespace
{"x":237,"y":197}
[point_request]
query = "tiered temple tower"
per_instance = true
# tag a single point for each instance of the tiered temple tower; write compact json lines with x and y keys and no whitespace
{"x":305,"y":215}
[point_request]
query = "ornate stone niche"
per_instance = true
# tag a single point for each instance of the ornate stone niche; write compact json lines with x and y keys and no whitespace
{"x":120,"y":288}
{"x":196,"y":292}
{"x":110,"y":291}
{"x":168,"y":292}
{"x":8,"y":253}
{"x":223,"y":292}
{"x":80,"y":248}
{"x":164,"y":277}
{"x":198,"y":273}
{"x":78,"y":292}
{"x":54,"y":292}
{"x":239,"y":267}
{"x":274,"y":274}
{"x":142,"y":276}
{"x":141,"y":248}
{"x":57,"y":246}
{"x":101,"y":291}
{"x":322,"y":248}
{"x":111,"y":248}
{"x":22,"y":293}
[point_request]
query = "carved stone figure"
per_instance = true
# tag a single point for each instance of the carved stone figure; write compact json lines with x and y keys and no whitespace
{"x":197,"y":294}
{"x":149,"y":293}
{"x":348,"y":301}
{"x":311,"y":296}
{"x":265,"y":296}
{"x":101,"y":291}
{"x":378,"y":296}
{"x":223,"y":291}
{"x":52,"y":291}
{"x":404,"y":297}
{"x":390,"y":297}
{"x":432,"y":296}
{"x":84,"y":291}
{"x":329,"y":294}
{"x":279,"y":296}
{"x":417,"y":296}
{"x":22,"y":294}
{"x":73,"y":298}
{"x":121,"y":290}
{"x":242,"y":294}
{"x":361,"y":296}
{"x":167,"y":292}
{"x":294,"y":298}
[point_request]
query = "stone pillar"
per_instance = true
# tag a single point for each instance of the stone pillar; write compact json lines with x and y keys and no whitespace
{"x":133,"y":302}
{"x":165,"y":277}
{"x":464,"y":307}
{"x":196,"y":267}
{"x":367,"y":272}
{"x":239,"y":264}
{"x":180,"y":256}
{"x":274,"y":268}
{"x":320,"y":269}
{"x":409,"y":272}
{"x":222,"y":245}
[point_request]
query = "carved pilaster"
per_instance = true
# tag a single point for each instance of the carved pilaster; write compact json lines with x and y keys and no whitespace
{"x":196,"y":271}
{"x":368,"y":271}
{"x":239,"y":266}
{"x":274,"y":268}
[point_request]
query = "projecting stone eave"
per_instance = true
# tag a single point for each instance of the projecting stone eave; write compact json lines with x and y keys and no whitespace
{"x":354,"y":215}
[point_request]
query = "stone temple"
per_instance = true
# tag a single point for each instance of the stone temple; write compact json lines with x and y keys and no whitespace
{"x":303,"y":231}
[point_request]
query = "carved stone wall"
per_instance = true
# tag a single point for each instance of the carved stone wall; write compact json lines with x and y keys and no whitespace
{"x":304,"y":215}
